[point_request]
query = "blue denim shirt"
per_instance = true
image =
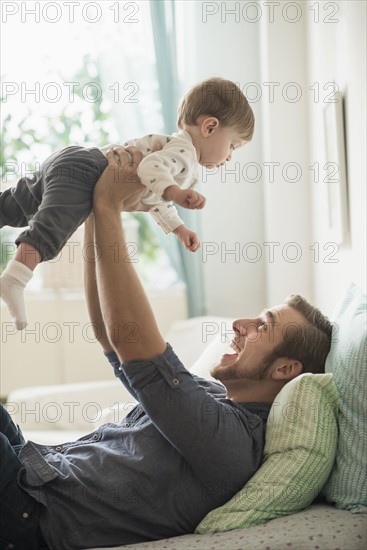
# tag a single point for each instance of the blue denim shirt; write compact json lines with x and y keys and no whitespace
{"x":182,"y":451}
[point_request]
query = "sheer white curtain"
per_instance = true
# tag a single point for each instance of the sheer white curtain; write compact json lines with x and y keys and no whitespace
{"x":127,"y":67}
{"x":109,"y":52}
{"x":166,"y":24}
{"x":117,"y":52}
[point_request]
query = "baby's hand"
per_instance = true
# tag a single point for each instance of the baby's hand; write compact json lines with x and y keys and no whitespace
{"x":187,"y":198}
{"x":187,"y":237}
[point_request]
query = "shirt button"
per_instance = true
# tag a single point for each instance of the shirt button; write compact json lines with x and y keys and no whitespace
{"x":58,"y":448}
{"x":175,"y":381}
{"x":120,"y":368}
{"x":127,"y":424}
{"x":25,"y":515}
{"x":96,"y":437}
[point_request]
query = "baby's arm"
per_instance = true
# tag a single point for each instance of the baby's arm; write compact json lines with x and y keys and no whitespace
{"x":188,"y":198}
{"x":167,"y":218}
{"x":189,"y":238}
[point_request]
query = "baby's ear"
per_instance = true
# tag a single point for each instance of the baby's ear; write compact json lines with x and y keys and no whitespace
{"x":208,"y":125}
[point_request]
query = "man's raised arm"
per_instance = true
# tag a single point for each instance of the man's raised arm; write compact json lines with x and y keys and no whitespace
{"x":128,"y":317}
{"x":90,"y":258}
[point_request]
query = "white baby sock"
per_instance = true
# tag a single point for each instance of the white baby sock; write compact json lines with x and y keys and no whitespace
{"x":12,"y":284}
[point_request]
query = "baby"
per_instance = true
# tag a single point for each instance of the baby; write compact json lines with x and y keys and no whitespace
{"x":214,"y":118}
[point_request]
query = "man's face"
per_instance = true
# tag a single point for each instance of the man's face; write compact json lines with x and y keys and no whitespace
{"x":254,"y":341}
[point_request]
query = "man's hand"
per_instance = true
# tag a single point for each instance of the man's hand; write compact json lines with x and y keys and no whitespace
{"x":187,"y":237}
{"x":119,"y":187}
{"x":187,"y":198}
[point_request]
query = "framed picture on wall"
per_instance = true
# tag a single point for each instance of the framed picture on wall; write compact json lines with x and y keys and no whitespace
{"x":336,"y":171}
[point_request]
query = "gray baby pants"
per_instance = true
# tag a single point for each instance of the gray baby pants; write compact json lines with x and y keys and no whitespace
{"x":55,"y":200}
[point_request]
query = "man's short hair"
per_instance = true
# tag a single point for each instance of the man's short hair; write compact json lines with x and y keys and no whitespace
{"x":308,"y":342}
{"x":219,"y":98}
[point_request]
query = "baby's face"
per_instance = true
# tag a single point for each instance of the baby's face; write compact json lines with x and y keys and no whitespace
{"x":217,"y":148}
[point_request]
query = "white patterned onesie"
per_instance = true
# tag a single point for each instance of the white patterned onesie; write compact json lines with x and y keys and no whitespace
{"x":175,"y":164}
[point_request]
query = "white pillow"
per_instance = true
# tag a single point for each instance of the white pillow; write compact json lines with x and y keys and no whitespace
{"x":115,"y":413}
{"x":191,"y":337}
{"x":211,"y":357}
{"x":65,"y":406}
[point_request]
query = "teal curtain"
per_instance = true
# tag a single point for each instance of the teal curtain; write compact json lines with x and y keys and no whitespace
{"x":187,"y":264}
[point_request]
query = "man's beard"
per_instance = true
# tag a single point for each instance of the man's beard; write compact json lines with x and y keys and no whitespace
{"x":233,"y":372}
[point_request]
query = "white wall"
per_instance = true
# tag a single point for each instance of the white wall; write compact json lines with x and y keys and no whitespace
{"x":285,"y":143}
{"x":337,"y":53}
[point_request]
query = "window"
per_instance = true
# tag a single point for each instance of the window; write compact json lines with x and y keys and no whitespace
{"x":87,"y":76}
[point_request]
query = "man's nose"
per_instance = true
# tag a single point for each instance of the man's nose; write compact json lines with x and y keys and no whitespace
{"x":240,"y":326}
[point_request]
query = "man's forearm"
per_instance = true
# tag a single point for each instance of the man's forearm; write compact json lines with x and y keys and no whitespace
{"x":128,"y":317}
{"x":90,"y":285}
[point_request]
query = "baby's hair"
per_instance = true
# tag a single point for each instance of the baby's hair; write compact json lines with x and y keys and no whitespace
{"x":219,"y":98}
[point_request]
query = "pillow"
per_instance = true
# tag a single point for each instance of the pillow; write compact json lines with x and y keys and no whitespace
{"x":190,"y":337}
{"x":300,"y":445}
{"x":115,"y":413}
{"x":347,"y":486}
{"x":211,"y":356}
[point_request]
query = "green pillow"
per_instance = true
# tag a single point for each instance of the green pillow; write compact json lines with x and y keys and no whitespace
{"x":300,"y":445}
{"x":347,"y":485}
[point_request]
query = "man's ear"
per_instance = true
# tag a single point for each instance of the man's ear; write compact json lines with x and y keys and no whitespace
{"x":208,"y":126}
{"x":285,"y":369}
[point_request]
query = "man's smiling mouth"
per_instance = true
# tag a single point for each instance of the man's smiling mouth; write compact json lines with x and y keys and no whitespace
{"x":235,"y":346}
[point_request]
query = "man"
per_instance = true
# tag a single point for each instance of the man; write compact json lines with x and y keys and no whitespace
{"x":189,"y":445}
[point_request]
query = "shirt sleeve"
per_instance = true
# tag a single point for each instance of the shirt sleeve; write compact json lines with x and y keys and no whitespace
{"x":119,"y":372}
{"x":157,"y":170}
{"x":166,"y":216}
{"x":214,"y":435}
